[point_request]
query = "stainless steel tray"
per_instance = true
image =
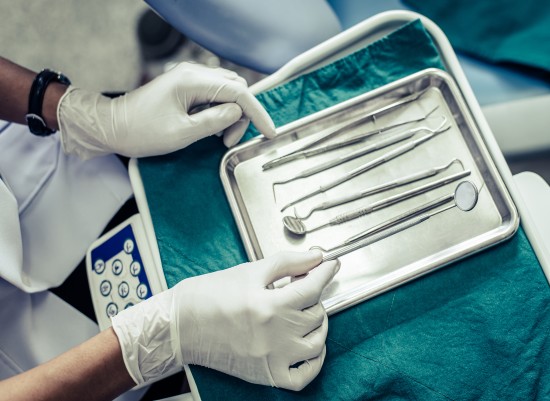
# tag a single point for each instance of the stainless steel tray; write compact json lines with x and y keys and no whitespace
{"x":379,"y":267}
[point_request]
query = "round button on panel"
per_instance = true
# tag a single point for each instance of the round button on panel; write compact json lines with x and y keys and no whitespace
{"x":117,"y":267}
{"x":112,"y":309}
{"x":105,"y":287}
{"x":142,"y":291}
{"x":129,"y":305}
{"x":123,"y":289}
{"x":128,"y":246}
{"x":135,"y":268}
{"x":99,"y":266}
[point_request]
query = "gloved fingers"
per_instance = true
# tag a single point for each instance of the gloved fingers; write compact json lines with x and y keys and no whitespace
{"x":224,"y":72}
{"x":312,"y":318}
{"x":236,"y":77}
{"x":254,"y":110}
{"x":312,"y":344}
{"x":302,"y":375}
{"x":286,"y":264}
{"x":238,"y":93}
{"x":306,"y":292}
{"x":233,"y":134}
{"x":212,"y":120}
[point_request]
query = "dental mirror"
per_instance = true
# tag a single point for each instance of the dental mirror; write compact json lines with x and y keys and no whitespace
{"x":297,"y":226}
{"x":465,"y":198}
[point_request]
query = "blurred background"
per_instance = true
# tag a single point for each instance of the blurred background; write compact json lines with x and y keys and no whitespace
{"x":117,"y":45}
{"x":114,"y":46}
{"x":108,"y":46}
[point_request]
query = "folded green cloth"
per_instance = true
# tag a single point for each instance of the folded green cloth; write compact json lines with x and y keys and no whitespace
{"x":474,"y":330}
{"x":499,"y":31}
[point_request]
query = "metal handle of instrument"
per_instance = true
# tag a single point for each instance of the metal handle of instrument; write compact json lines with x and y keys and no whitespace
{"x":375,"y":238}
{"x":367,"y":166}
{"x":358,"y":153}
{"x":361,"y":120}
{"x":402,"y":217}
{"x":342,"y":218}
{"x":398,"y":182}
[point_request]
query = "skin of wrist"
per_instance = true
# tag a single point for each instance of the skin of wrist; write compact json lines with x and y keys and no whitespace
{"x":53,"y":94}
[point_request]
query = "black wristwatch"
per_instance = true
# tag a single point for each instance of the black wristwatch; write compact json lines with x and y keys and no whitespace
{"x":36,"y":123}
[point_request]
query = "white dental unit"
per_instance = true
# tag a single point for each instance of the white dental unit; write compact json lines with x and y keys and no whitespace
{"x":124,"y":266}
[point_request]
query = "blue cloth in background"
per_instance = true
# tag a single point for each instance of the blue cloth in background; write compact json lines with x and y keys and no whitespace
{"x":477,"y":329}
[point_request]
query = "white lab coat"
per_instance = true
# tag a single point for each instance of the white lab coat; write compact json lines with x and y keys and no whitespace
{"x":52,"y":207}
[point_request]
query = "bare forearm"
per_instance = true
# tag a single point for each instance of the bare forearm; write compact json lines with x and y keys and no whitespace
{"x":93,"y":370}
{"x":15,"y":85}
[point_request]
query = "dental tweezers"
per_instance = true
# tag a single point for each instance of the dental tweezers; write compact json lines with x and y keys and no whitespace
{"x":372,"y":116}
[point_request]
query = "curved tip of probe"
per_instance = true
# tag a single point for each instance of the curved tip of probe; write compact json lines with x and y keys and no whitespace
{"x":432,"y":111}
{"x":456,"y":160}
{"x":440,"y":127}
{"x":295,"y":210}
{"x":273,"y":191}
{"x":285,"y":207}
{"x":317,"y":248}
{"x":279,"y":183}
{"x":422,"y":93}
{"x":305,"y":216}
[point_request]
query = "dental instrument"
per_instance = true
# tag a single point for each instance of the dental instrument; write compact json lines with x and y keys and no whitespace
{"x":361,"y":120}
{"x":465,"y":198}
{"x":402,"y":217}
{"x":379,"y":188}
{"x":353,"y":155}
{"x":297,"y":226}
{"x":367,"y":166}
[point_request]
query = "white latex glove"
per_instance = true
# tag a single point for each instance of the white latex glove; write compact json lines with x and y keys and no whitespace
{"x":230,"y":321}
{"x":157,"y":118}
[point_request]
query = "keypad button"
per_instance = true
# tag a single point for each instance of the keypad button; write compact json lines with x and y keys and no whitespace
{"x":129,"y":305}
{"x":117,"y":267}
{"x":99,"y":266}
{"x":135,"y":268}
{"x":105,"y":287}
{"x":142,"y":291}
{"x":123,"y":289}
{"x":128,"y":246}
{"x":112,"y":309}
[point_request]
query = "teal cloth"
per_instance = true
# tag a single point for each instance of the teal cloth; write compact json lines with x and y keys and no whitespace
{"x":477,"y":329}
{"x":504,"y":31}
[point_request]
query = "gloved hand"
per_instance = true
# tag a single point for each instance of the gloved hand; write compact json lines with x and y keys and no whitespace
{"x":230,"y":321}
{"x":157,"y":118}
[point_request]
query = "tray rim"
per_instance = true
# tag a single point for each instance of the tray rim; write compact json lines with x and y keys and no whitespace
{"x":406,"y":273}
{"x":288,"y":128}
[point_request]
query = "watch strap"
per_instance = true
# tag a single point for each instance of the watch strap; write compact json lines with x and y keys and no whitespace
{"x":34,"y":118}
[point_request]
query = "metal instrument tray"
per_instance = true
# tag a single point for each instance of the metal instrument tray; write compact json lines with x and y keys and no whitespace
{"x":369,"y":271}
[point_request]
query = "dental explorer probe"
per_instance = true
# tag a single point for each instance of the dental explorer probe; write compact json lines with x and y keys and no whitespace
{"x":361,"y":120}
{"x":367,"y":166}
{"x":357,"y":153}
{"x":398,"y":182}
{"x":298,"y":227}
